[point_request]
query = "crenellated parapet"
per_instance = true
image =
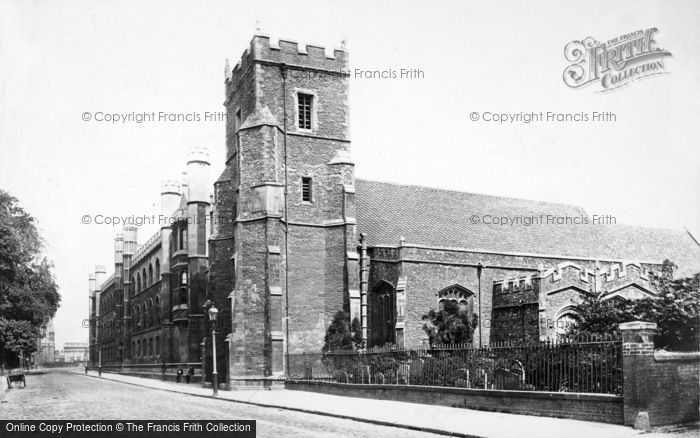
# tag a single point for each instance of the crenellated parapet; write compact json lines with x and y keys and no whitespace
{"x":147,"y":247}
{"x":567,"y":275}
{"x":607,"y":280}
{"x":514,"y":284}
{"x":198,"y":153}
{"x":625,"y":270}
{"x":557,"y":273}
{"x":516,"y":291}
{"x":288,"y":52}
{"x":539,"y":304}
{"x":627,"y":280}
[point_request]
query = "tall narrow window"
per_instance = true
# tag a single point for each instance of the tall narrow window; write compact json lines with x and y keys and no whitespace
{"x":305,"y":102}
{"x":183,"y":238}
{"x":183,"y":278}
{"x":236,"y":127}
{"x":183,"y":287}
{"x":306,"y":189}
{"x":233,"y":272}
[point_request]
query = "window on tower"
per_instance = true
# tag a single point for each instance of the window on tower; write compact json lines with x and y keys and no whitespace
{"x":237,"y":127}
{"x":306,"y":189}
{"x":305,"y":102}
{"x":233,"y":272}
{"x":183,"y":238}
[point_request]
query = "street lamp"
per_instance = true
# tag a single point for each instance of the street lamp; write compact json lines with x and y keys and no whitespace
{"x":479,"y":268}
{"x":213,"y":311}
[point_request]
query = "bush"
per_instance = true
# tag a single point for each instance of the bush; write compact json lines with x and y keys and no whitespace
{"x":450,"y":325}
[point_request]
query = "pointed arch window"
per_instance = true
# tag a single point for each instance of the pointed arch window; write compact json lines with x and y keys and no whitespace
{"x":457,"y":293}
{"x":566,"y":318}
{"x":150,"y":274}
{"x":382,"y":314}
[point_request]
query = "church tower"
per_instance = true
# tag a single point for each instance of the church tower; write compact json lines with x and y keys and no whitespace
{"x":284,"y":250}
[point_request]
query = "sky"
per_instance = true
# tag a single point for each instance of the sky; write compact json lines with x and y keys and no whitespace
{"x":61,"y":59}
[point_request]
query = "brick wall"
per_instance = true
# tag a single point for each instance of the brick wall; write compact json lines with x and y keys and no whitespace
{"x":659,"y":387}
{"x":590,"y":407}
{"x":429,"y":270}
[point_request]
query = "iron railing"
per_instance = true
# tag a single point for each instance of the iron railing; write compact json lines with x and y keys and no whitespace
{"x":590,"y":365}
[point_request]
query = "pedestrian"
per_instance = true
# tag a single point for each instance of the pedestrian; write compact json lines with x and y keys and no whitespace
{"x":179,"y":375}
{"x":190,"y":373}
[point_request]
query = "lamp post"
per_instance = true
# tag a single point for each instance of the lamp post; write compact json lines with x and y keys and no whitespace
{"x":213,"y":311}
{"x":479,"y":268}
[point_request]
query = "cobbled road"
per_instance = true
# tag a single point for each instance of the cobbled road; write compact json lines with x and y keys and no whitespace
{"x":65,"y":396}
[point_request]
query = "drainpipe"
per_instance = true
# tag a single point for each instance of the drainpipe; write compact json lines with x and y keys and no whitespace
{"x":283,"y":70}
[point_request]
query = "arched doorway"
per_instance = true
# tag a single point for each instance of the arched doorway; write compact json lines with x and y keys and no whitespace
{"x":566,"y":318}
{"x":382,"y":308}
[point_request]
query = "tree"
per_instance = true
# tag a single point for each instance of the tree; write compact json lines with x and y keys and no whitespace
{"x":450,"y":325}
{"x":28,"y":292}
{"x":19,"y":239}
{"x":674,"y":310}
{"x":342,"y":340}
{"x":341,"y":335}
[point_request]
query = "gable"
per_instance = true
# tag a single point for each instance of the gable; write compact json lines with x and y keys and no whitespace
{"x":630,"y":291}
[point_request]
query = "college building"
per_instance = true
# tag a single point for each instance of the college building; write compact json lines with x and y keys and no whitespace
{"x":292,"y":237}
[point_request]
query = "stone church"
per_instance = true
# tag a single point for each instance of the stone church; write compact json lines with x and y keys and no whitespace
{"x":295,"y":237}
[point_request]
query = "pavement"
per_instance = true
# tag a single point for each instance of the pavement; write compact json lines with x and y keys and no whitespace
{"x":60,"y":395}
{"x":420,"y":417}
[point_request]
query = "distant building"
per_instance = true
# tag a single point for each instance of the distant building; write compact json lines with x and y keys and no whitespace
{"x":47,"y":345}
{"x":74,"y":351}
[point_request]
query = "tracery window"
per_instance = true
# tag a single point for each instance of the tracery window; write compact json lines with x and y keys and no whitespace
{"x":459,"y":294}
